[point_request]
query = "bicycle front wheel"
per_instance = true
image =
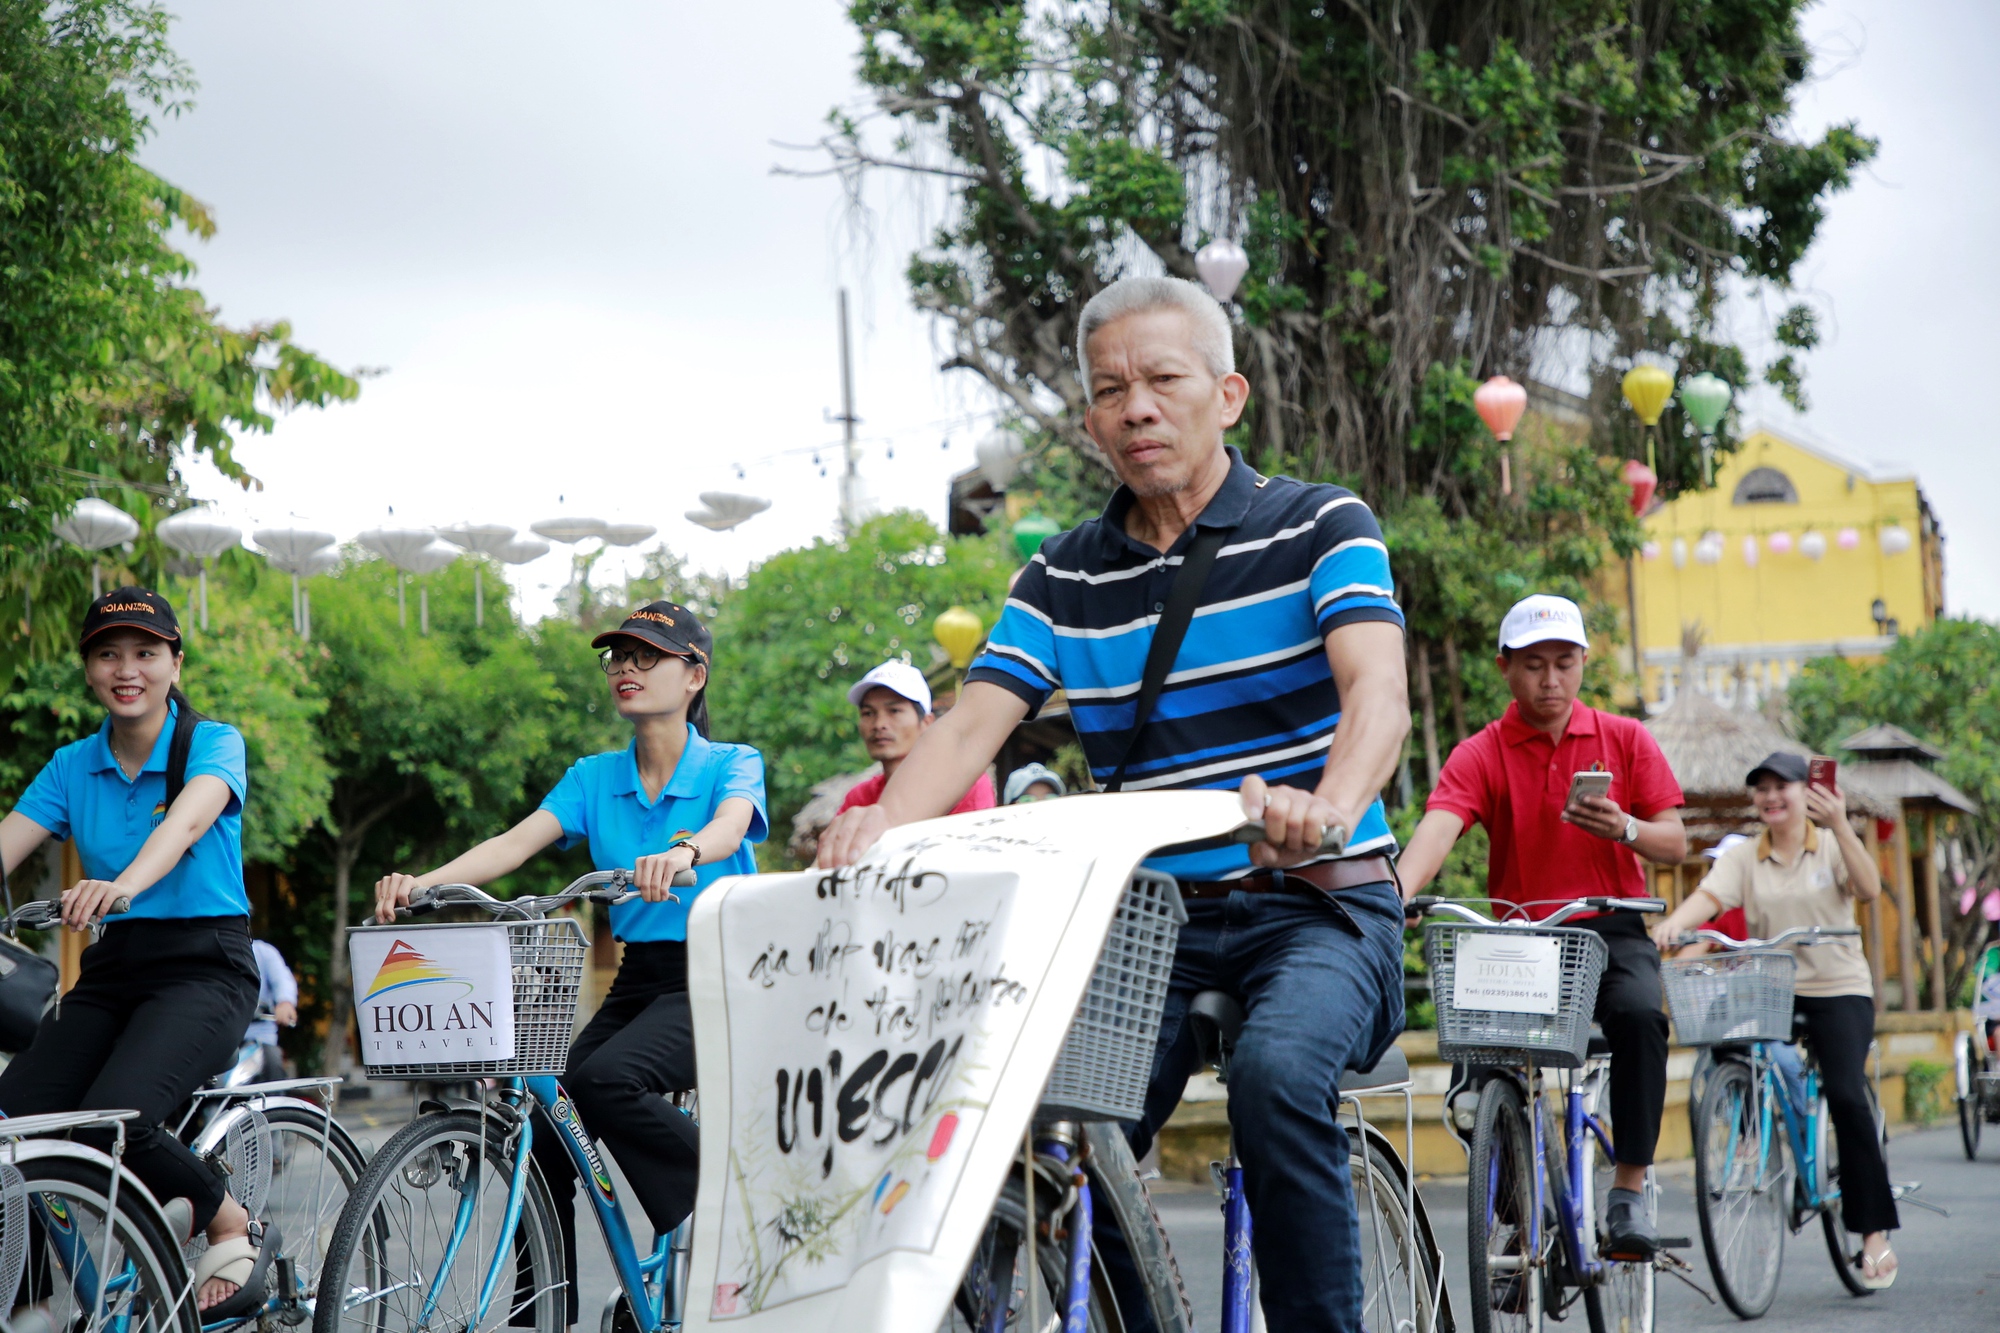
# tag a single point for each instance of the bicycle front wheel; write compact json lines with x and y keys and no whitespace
{"x":304,"y":1165}
{"x":1001,"y":1291}
{"x":419,"y":1236}
{"x":1742,"y":1187}
{"x":86,"y":1275}
{"x":1505,"y":1266}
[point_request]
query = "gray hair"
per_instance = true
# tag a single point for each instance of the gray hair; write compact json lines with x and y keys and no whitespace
{"x":1135,"y":296}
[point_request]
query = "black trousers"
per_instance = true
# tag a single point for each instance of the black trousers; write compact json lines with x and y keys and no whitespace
{"x":638,"y":1048}
{"x":1839,"y":1028}
{"x":1630,"y":1009}
{"x":156,"y":1012}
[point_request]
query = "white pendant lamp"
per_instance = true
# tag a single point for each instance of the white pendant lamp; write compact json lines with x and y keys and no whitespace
{"x":999,"y":456}
{"x":626,"y":534}
{"x":569,"y":529}
{"x":94,"y":525}
{"x":200,"y":534}
{"x":480,"y":539}
{"x":722,"y":510}
{"x":1221,"y":265}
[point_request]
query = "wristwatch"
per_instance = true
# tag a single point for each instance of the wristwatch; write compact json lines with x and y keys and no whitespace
{"x":693,"y":847}
{"x":1631,"y":833}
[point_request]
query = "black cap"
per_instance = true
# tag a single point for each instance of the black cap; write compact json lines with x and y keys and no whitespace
{"x":1782,"y":766}
{"x":668,"y":626}
{"x":131,"y":608}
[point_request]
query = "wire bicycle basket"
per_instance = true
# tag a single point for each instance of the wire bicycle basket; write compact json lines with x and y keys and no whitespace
{"x":546,"y":960}
{"x":1107,"y":1059}
{"x":1741,"y":996}
{"x":1550,"y":1025}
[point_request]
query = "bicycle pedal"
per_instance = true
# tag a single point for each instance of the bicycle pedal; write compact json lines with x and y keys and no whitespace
{"x":1675,"y":1243}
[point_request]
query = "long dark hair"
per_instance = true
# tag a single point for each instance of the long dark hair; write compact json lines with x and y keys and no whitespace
{"x":698,"y":711}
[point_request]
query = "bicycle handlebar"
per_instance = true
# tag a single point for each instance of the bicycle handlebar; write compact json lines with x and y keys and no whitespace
{"x":1436,"y":905}
{"x":45,"y":913}
{"x":1806,"y":935}
{"x":616,"y":888}
{"x":1333,"y":838}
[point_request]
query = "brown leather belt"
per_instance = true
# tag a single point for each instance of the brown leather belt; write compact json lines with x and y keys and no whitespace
{"x":1324,"y":876}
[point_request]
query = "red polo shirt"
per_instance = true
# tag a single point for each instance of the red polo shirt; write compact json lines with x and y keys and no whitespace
{"x":868,"y":791}
{"x":1514,"y":780}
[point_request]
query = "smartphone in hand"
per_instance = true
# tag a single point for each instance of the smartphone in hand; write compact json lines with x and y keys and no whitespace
{"x":1596,"y":783}
{"x":1820,"y":772}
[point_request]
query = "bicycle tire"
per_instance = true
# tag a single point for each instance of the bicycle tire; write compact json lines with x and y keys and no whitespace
{"x":1500,"y":1181}
{"x":1388,"y":1227}
{"x":427,"y":1163}
{"x":1843,"y":1246}
{"x":1741,"y":1197}
{"x":163,"y":1299}
{"x":995,"y":1273}
{"x":1969,"y":1124}
{"x":1627,"y":1300}
{"x":1117,"y":1192}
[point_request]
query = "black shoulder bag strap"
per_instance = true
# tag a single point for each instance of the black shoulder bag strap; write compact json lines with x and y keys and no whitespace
{"x":1167,"y":636}
{"x":185,"y":721}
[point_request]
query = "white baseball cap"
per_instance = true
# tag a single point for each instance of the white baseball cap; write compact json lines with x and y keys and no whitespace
{"x":898,"y":676}
{"x":1541,"y":618}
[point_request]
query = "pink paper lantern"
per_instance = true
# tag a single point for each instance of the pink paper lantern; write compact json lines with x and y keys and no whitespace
{"x":1847,"y":539}
{"x":1650,"y":551}
{"x":1780,"y":543}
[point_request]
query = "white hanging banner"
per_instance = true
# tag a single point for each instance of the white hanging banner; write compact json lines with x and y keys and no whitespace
{"x":431,"y":994}
{"x":1508,"y":973}
{"x":873,"y":1042}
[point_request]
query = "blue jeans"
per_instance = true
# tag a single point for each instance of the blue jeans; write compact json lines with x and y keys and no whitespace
{"x":1323,"y":996}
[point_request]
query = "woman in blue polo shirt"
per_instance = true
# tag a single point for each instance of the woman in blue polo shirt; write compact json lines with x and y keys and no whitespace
{"x":164,"y":995}
{"x":670,"y":801}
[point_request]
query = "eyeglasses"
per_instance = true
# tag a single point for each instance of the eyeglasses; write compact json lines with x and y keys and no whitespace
{"x":614,"y":660}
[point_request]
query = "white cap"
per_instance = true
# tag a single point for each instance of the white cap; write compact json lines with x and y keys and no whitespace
{"x":898,"y":676}
{"x":1541,"y":618}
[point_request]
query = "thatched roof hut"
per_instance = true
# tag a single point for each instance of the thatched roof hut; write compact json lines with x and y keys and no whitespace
{"x":1892,"y":761}
{"x":1710,"y":748}
{"x":817,"y":813}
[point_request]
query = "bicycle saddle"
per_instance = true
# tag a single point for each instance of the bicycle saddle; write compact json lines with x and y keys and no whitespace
{"x":1218,"y":1022}
{"x":1599,"y":1043}
{"x":1392,"y":1069}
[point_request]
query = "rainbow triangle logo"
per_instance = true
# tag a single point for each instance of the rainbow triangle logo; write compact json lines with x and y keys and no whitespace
{"x":405,"y":966}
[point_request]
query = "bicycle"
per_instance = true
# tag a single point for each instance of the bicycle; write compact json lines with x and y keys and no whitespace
{"x":1759,"y":1173}
{"x":1975,"y":1063}
{"x":1082,"y":1167}
{"x":461,"y":1175}
{"x":288,"y":1162}
{"x":1535,"y":1241}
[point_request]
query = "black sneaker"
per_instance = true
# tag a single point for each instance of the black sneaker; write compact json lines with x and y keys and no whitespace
{"x":1633,"y":1237}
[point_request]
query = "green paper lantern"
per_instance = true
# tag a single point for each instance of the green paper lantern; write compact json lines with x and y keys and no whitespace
{"x":1705,"y":398}
{"x":1031,"y":531}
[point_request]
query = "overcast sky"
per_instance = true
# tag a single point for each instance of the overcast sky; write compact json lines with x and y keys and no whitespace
{"x":557,"y":234}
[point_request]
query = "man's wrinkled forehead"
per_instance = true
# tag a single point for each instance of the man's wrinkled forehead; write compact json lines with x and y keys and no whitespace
{"x":1144,"y":343}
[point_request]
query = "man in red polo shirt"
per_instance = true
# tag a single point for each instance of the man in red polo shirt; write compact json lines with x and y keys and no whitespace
{"x":1514,"y":778}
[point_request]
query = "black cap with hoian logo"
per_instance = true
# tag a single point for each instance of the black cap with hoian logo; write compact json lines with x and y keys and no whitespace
{"x":131,"y":608}
{"x":667,"y":626}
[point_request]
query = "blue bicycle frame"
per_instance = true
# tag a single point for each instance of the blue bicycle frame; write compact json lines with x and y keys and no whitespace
{"x":1579,"y":1126}
{"x":1800,"y":1124}
{"x":654,"y":1284}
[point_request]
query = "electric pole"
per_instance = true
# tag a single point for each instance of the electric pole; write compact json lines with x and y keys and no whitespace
{"x":850,"y":477}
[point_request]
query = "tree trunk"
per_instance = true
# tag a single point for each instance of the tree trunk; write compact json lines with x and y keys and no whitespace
{"x":346,"y":851}
{"x":1428,"y":698}
{"x":1455,"y":686}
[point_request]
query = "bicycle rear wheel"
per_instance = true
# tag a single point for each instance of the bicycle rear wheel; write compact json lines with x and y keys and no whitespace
{"x":309,"y":1165}
{"x":1391,"y":1248}
{"x":145,"y":1284}
{"x":1625,"y":1301}
{"x":1842,"y":1245}
{"x":1742,"y":1187}
{"x":416,"y":1239}
{"x":1500,"y":1207}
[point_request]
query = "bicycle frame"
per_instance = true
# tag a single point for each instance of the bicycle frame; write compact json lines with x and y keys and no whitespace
{"x":1801,"y":1123}
{"x":665,"y":1268}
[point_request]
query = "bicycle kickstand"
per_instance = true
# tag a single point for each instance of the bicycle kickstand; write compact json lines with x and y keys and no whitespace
{"x":1906,"y":1192}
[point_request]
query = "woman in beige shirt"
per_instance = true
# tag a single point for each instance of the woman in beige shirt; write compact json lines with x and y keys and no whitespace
{"x":1808,"y":868}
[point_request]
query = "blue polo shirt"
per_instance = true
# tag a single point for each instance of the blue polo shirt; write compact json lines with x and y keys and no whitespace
{"x":83,"y":794}
{"x":1251,"y":691}
{"x":600,"y":799}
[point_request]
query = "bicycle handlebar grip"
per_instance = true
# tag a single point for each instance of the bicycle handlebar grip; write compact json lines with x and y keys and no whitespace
{"x":684,"y":880}
{"x":119,"y":906}
{"x":1423,"y":902}
{"x":1332,"y":839}
{"x":422,"y":901}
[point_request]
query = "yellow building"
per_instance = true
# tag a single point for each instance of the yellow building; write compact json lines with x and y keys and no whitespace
{"x":1794,"y":553}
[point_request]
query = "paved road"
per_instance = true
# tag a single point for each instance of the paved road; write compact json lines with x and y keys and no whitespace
{"x":1950,"y":1267}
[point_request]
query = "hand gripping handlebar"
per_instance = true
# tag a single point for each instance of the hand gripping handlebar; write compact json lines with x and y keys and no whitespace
{"x":610,"y":887}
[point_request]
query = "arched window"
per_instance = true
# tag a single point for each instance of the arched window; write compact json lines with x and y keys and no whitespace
{"x":1765,"y":486}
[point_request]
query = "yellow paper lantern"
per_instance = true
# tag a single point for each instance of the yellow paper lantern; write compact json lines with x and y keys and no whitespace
{"x":1647,"y":389}
{"x":958,"y":632}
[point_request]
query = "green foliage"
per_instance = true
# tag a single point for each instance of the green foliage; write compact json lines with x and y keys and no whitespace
{"x":1924,"y":1096}
{"x":110,"y":362}
{"x":1942,"y":685}
{"x":808,"y":622}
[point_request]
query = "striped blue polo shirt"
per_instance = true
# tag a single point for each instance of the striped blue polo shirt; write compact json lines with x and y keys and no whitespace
{"x":1251,"y":691}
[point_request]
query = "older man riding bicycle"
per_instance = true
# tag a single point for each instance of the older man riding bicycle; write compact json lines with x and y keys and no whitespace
{"x":1288,"y":684}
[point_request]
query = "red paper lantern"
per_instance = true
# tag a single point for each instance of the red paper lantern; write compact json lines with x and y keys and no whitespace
{"x":1643,"y":482}
{"x":1500,"y":403}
